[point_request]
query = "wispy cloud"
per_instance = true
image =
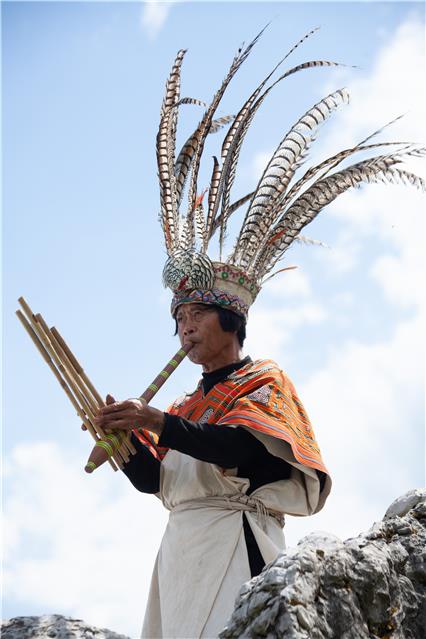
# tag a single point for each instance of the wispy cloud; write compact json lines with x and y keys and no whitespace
{"x":75,"y":548}
{"x":153,"y":16}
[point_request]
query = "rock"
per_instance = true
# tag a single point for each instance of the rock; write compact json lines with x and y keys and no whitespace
{"x":369,"y":587}
{"x":402,"y":505}
{"x":53,"y":627}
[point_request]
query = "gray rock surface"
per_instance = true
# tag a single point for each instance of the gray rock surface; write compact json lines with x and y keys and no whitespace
{"x":369,"y":587}
{"x":53,"y":627}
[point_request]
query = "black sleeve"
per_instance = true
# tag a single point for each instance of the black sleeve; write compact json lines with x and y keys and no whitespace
{"x":143,"y":469}
{"x":221,"y":445}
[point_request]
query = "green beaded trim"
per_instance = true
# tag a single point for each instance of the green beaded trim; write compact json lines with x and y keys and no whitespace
{"x":91,"y":465}
{"x":114,"y":439}
{"x":173,"y":363}
{"x":153,"y":387}
{"x":106,"y":446}
{"x":181,"y":352}
{"x":164,"y":374}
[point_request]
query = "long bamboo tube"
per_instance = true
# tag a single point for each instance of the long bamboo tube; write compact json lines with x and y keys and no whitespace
{"x":99,"y":454}
{"x":127,"y":446}
{"x":79,"y":388}
{"x":39,"y":345}
{"x":81,"y":392}
{"x":34,"y":329}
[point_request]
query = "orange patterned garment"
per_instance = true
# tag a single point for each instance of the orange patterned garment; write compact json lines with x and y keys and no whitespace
{"x":258,"y":395}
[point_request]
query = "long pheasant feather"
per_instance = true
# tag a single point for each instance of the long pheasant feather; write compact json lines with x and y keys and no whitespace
{"x":183,"y":162}
{"x":322,"y":193}
{"x":277,"y":175}
{"x":165,"y":155}
{"x":231,"y":147}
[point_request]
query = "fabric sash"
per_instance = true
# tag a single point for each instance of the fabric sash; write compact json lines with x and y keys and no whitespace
{"x":238,"y":501}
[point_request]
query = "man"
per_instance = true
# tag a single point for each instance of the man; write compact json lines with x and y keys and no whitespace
{"x":230,"y":459}
{"x":227,"y":480}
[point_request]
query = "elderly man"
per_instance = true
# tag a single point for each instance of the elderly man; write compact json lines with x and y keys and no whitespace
{"x":223,"y":464}
{"x":230,"y":459}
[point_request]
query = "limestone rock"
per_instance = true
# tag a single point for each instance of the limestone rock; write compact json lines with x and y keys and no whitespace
{"x":369,"y":587}
{"x":400,"y":507}
{"x":53,"y":627}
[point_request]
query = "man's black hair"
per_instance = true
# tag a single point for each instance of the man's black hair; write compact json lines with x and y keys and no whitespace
{"x":229,"y":321}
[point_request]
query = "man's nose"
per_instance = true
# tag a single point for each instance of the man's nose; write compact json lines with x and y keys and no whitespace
{"x":188,"y":329}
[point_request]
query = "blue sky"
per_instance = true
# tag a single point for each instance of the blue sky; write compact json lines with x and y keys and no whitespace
{"x":82,"y":87}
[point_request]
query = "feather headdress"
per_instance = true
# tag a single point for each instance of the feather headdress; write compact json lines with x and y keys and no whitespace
{"x":278,"y":208}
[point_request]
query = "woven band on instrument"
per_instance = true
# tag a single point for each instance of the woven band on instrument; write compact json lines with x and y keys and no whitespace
{"x":106,"y":446}
{"x":91,"y":465}
{"x":116,"y":439}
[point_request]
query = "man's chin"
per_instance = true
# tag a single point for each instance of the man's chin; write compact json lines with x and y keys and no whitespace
{"x":195,"y":356}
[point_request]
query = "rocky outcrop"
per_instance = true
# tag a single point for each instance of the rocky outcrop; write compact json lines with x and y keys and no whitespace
{"x":53,"y":627}
{"x":369,"y":587}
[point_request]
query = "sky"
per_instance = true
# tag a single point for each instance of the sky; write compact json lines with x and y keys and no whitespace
{"x":82,"y":85}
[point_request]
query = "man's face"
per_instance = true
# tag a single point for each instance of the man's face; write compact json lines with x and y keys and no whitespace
{"x":199,"y":324}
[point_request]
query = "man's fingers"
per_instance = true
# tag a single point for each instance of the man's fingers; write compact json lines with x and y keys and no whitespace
{"x":113,"y":408}
{"x":119,"y":424}
{"x":110,"y":399}
{"x":107,"y":420}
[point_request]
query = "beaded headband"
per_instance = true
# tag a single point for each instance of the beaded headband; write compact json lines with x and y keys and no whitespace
{"x":280,"y":206}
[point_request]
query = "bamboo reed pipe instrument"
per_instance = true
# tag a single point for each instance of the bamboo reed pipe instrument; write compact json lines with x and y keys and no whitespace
{"x":114,"y":447}
{"x":101,"y":452}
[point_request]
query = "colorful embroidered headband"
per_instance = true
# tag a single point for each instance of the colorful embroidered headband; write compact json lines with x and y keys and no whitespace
{"x":281,"y":205}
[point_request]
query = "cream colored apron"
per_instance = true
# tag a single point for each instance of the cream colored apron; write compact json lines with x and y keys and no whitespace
{"x":202,"y":562}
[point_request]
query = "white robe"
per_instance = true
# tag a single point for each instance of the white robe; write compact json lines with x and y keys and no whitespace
{"x":203,"y":562}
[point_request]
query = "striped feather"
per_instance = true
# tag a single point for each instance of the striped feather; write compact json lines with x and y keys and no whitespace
{"x":273,"y":184}
{"x":205,"y":124}
{"x":232,"y":144}
{"x":165,"y":155}
{"x":233,"y":207}
{"x":214,"y":183}
{"x":330,"y":163}
{"x":231,"y":148}
{"x":185,"y":157}
{"x":322,"y":193}
{"x":200,"y":224}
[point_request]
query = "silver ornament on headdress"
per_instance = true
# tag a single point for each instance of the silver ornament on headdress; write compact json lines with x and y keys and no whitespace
{"x":282,"y":203}
{"x":188,"y":269}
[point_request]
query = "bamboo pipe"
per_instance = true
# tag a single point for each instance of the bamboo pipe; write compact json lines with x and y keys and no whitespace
{"x":47,"y":341}
{"x":36,"y":333}
{"x":127,"y":445}
{"x":77,"y":385}
{"x":99,"y":455}
{"x":40,"y":347}
{"x":44,"y":335}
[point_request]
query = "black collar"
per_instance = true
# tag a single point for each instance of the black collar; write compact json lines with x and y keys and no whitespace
{"x":214,"y":377}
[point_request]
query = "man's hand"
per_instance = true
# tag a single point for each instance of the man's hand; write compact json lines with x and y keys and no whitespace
{"x":128,"y":415}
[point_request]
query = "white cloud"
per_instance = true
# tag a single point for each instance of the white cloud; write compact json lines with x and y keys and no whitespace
{"x":293,"y":284}
{"x":365,"y":406}
{"x":78,"y":544}
{"x":153,"y":16}
{"x":384,"y":214}
{"x":394,"y":86}
{"x":270,"y":329}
